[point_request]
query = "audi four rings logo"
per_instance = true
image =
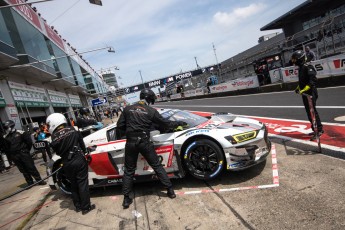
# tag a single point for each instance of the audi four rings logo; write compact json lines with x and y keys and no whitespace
{"x":39,"y":145}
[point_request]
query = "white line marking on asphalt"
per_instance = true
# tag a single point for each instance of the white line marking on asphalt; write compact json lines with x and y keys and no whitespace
{"x":253,"y":106}
{"x":44,"y":188}
{"x":282,"y":119}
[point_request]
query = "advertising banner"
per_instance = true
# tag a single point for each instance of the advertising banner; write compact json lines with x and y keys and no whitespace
{"x":199,"y":91}
{"x":275,"y":75}
{"x":75,"y":100}
{"x":28,"y":13}
{"x":289,"y":74}
{"x":58,"y":99}
{"x":54,"y":36}
{"x":243,"y":83}
{"x":322,"y":68}
{"x":190,"y":93}
{"x":27,"y":95}
{"x":336,"y":65}
{"x":2,"y":100}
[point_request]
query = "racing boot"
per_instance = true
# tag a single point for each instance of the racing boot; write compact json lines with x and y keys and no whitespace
{"x":170,"y":192}
{"x":89,"y":209}
{"x":317,"y":135}
{"x":126,"y":202}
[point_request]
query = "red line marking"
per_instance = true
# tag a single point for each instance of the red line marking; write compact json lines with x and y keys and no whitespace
{"x":26,"y":214}
{"x":14,"y":201}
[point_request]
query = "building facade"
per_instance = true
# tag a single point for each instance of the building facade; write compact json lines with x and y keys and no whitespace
{"x":40,"y":72}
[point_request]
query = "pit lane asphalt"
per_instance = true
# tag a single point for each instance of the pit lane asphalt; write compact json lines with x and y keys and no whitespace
{"x":282,"y":105}
{"x":311,"y":188}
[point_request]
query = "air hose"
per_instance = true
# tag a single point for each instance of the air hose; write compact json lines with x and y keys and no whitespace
{"x":30,"y":186}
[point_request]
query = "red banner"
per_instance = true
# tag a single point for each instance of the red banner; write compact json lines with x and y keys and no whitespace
{"x":27,"y":12}
{"x":54,"y":36}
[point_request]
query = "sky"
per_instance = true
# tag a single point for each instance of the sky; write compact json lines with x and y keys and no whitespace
{"x":161,"y":38}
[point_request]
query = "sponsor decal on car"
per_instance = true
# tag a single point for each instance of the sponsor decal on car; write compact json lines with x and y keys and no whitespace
{"x":235,"y":165}
{"x":197,"y":132}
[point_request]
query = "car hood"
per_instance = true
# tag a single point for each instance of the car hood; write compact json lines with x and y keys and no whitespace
{"x":230,"y":121}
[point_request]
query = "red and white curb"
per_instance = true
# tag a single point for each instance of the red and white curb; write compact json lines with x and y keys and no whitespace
{"x":274,"y":184}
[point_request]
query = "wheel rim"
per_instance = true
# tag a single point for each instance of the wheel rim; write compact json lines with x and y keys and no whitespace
{"x":204,"y":159}
{"x":63,"y":182}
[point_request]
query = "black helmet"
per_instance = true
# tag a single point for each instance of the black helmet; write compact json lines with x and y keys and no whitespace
{"x":298,"y":57}
{"x":84,"y":111}
{"x":148,"y":95}
{"x":9,"y":124}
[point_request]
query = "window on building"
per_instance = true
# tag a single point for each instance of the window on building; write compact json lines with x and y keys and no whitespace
{"x":4,"y":34}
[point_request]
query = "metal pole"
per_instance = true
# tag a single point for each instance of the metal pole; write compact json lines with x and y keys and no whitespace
{"x":27,"y":110}
{"x":28,"y":64}
{"x":21,"y":108}
{"x":142,"y":81}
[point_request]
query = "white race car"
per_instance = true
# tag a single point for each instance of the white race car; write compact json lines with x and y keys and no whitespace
{"x":203,"y":149}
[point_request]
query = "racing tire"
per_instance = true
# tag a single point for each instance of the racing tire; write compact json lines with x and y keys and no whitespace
{"x":63,"y":183}
{"x":203,"y":159}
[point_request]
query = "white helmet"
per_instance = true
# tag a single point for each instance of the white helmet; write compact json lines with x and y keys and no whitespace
{"x":54,"y":120}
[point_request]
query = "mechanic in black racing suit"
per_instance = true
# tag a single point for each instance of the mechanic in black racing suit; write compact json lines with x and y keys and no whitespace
{"x":69,"y":145}
{"x":17,"y":144}
{"x":84,"y":120}
{"x":307,"y":85}
{"x":135,"y":122}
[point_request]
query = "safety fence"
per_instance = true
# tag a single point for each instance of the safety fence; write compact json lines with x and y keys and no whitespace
{"x":327,"y":67}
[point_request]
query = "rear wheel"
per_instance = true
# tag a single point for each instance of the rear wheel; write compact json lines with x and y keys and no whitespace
{"x":203,"y":159}
{"x":62,"y":181}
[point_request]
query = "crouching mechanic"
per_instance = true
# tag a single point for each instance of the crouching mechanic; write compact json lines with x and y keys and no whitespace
{"x":69,"y":145}
{"x":307,"y":85}
{"x":135,"y":122}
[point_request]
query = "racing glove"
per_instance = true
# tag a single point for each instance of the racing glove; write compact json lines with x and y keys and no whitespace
{"x":178,"y":128}
{"x":297,"y":89}
{"x":306,"y":88}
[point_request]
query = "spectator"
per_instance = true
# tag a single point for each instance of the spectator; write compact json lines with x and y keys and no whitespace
{"x":115,"y":111}
{"x":309,"y":54}
{"x":40,"y":135}
{"x":72,"y":121}
{"x":208,"y":84}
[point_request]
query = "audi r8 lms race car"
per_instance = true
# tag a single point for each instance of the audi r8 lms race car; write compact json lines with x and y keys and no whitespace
{"x":204,"y":148}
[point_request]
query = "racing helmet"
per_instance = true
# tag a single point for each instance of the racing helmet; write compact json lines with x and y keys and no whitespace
{"x":148,"y":95}
{"x":84,"y":111}
{"x":54,"y":120}
{"x":9,"y":124}
{"x":298,"y":57}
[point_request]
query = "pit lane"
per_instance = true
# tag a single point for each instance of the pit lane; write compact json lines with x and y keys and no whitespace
{"x":310,"y":189}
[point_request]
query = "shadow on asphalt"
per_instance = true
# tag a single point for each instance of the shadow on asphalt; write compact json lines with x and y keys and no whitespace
{"x":297,"y":148}
{"x":226,"y":179}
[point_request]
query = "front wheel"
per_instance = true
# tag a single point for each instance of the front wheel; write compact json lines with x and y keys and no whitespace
{"x":203,"y":159}
{"x":62,"y":181}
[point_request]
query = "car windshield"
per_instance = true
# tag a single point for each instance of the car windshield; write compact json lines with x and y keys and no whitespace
{"x":191,"y":119}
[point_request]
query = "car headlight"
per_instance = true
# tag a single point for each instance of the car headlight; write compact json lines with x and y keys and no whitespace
{"x":242,"y":137}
